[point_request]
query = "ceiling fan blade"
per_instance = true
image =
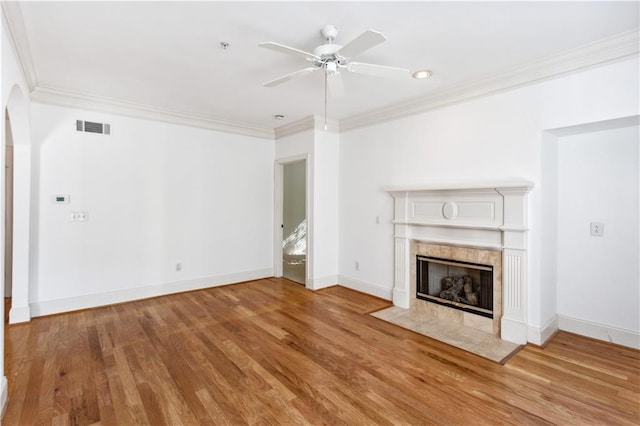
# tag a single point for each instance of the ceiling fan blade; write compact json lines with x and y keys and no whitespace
{"x":288,"y":77}
{"x":364,"y":41}
{"x":378,"y":70}
{"x":289,"y":50}
{"x":336,"y":85}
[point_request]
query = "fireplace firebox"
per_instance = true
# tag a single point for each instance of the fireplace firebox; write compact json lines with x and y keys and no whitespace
{"x":459,"y":285}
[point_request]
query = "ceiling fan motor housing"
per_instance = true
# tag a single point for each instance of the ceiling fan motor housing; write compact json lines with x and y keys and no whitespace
{"x":327,"y":50}
{"x":330,"y":59}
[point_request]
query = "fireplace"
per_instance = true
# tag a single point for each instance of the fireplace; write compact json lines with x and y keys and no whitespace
{"x":459,"y":285}
{"x":476,"y":225}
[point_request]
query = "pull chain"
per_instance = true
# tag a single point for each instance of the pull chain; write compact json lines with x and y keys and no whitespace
{"x":325,"y":99}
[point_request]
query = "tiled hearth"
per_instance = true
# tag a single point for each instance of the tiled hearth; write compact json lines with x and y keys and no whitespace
{"x":450,"y":331}
{"x":482,"y":225}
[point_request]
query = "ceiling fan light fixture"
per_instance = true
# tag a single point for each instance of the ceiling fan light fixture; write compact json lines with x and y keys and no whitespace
{"x":420,"y":74}
{"x":332,"y":68}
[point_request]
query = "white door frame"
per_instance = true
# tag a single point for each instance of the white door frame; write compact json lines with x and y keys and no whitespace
{"x":278,"y":215}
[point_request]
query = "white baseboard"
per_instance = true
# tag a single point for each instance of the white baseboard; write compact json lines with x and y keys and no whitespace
{"x":322,"y":282}
{"x":540,"y":336}
{"x":19,"y":314}
{"x":49,"y":307}
{"x":607,"y":333}
{"x":4,"y":395}
{"x":365,"y":287}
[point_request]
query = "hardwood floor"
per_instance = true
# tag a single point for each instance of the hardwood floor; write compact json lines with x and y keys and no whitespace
{"x":272,"y":352}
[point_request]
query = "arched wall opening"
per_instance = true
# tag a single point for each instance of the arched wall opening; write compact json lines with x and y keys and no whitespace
{"x":17,"y":134}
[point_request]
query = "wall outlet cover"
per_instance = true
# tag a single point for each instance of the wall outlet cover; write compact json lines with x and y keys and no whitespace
{"x":597,"y":229}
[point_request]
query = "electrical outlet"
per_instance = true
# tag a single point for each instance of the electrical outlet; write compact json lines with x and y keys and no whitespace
{"x":357,"y":266}
{"x":79,"y":216}
{"x":597,"y":229}
{"x":179,"y":266}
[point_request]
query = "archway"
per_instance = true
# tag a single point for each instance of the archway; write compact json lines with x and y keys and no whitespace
{"x":18,"y":134}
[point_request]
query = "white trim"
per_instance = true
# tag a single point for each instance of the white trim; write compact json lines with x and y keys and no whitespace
{"x":385,"y":293}
{"x":513,"y":330}
{"x":472,"y":188}
{"x":278,"y":174}
{"x":19,"y":314}
{"x":18,"y":34}
{"x":607,"y":333}
{"x":278,"y":214}
{"x":54,"y":96}
{"x":311,"y":122}
{"x":21,"y":231}
{"x":540,"y":336}
{"x":612,"y":49}
{"x":49,"y":307}
{"x":4,"y":395}
{"x":595,"y":126}
{"x":322,"y":282}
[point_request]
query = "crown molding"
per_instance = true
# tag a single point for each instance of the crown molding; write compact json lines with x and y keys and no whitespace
{"x":12,"y":16}
{"x":312,"y":122}
{"x":609,"y":50}
{"x":71,"y":99}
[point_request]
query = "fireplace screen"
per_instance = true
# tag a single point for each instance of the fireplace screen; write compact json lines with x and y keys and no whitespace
{"x":460,"y":285}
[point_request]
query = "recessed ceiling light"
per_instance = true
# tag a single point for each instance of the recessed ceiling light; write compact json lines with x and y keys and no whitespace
{"x":422,"y":74}
{"x":279,"y":117}
{"x":224,"y":45}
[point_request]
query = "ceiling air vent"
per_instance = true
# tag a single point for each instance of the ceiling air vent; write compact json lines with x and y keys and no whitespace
{"x":91,"y":127}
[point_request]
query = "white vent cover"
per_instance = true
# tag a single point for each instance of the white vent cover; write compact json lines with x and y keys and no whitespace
{"x":92,"y":127}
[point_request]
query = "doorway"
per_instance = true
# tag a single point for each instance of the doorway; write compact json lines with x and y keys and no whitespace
{"x":294,"y":221}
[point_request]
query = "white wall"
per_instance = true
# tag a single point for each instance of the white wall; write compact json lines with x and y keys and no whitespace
{"x":326,"y":169}
{"x":599,"y":277}
{"x":496,"y":137}
{"x":156,"y":194}
{"x":322,"y":150}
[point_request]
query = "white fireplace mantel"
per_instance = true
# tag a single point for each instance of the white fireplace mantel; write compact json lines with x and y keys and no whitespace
{"x":488,"y":216}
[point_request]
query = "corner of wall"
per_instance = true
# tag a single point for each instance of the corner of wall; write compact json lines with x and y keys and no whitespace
{"x":540,"y":336}
{"x":323,"y":282}
{"x":19,"y":314}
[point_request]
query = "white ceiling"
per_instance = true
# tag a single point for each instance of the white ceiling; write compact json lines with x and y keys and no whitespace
{"x":167,"y":55}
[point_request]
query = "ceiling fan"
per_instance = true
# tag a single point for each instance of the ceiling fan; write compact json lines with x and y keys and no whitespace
{"x":333,"y":58}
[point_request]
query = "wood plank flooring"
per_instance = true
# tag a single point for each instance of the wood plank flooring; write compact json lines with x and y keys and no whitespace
{"x":272,"y":352}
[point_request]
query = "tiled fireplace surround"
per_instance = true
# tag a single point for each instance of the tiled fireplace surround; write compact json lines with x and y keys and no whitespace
{"x":479,"y":224}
